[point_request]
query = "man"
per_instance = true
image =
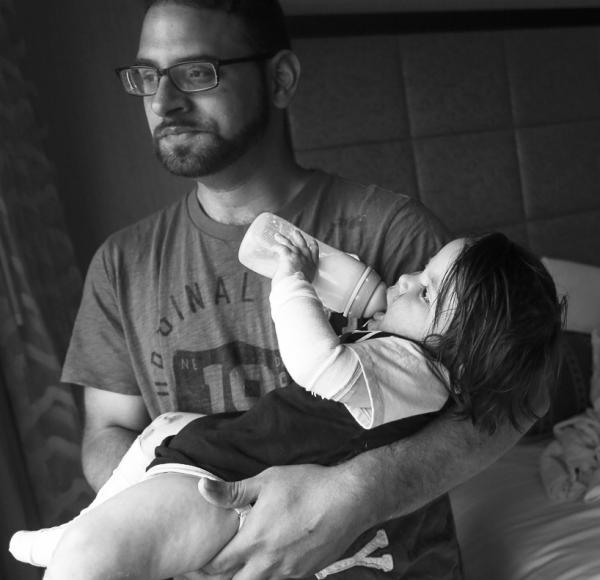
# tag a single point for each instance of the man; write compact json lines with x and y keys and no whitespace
{"x":170,"y":319}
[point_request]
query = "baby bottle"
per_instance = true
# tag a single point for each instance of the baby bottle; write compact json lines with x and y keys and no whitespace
{"x":343,"y":283}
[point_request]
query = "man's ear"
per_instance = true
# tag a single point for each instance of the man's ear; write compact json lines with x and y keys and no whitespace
{"x":284,"y":73}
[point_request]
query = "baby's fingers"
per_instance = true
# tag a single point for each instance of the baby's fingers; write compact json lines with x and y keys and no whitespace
{"x":313,"y":249}
{"x":299,"y":241}
{"x":283,"y":240}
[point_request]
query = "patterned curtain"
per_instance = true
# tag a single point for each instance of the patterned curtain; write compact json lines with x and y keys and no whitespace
{"x":41,"y":481}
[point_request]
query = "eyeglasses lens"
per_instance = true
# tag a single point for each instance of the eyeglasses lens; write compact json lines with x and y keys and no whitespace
{"x":194,"y":76}
{"x":140,"y":80}
{"x":188,"y":77}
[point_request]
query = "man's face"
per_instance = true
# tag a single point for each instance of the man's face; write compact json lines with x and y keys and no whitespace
{"x":202,"y":133}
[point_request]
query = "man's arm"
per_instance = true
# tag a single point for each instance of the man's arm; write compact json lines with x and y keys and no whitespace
{"x":112,"y":422}
{"x":414,"y":471}
{"x":328,"y":507}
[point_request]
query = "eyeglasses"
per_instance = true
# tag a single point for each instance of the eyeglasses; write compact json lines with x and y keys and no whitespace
{"x":192,"y":76}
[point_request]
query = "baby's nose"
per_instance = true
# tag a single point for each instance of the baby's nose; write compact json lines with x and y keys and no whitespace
{"x":404,"y":281}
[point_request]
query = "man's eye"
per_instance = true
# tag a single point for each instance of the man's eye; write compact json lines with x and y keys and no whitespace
{"x":199,"y":73}
{"x":148,"y":75}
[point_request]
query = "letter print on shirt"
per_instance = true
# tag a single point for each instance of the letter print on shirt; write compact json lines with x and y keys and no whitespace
{"x":228,"y":378}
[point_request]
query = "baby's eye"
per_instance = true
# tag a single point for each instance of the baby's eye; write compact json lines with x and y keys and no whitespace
{"x":425,"y":294}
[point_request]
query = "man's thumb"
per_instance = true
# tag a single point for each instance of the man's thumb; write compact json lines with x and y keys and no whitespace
{"x":228,"y":494}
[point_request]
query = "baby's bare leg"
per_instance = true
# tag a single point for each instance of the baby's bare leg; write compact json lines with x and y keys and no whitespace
{"x":163,"y":426}
{"x":156,"y":529}
{"x":36,"y":547}
{"x":132,"y":467}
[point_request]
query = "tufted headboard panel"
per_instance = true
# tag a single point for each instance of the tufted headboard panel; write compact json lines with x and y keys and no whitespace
{"x":491,"y":129}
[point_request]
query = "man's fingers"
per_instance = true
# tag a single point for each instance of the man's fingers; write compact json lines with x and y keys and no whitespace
{"x":229,"y":494}
{"x":252,"y":571}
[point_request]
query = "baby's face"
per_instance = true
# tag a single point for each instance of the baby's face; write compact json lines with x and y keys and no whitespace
{"x":411,"y":302}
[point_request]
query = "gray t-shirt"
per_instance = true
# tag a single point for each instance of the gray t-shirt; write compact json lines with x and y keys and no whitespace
{"x":168,"y":311}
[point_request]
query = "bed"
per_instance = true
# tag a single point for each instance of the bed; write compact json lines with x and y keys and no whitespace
{"x":509,"y":529}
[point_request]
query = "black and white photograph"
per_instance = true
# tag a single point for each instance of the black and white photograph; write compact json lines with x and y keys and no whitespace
{"x":300,"y":289}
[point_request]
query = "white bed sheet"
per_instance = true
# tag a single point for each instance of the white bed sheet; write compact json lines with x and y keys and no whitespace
{"x":509,"y":529}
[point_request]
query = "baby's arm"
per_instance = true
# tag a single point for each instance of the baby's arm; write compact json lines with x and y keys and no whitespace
{"x":155,"y":529}
{"x":380,"y":380}
{"x":309,"y":347}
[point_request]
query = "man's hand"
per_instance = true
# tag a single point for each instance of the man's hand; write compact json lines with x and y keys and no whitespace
{"x":304,"y":517}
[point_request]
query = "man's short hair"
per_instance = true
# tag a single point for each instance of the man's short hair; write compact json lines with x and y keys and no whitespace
{"x":263,"y":20}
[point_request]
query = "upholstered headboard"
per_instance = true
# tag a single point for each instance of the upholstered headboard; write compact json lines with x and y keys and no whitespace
{"x":491,"y":129}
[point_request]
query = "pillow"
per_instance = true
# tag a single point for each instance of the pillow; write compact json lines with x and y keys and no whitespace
{"x":581,"y":284}
{"x":572,"y":393}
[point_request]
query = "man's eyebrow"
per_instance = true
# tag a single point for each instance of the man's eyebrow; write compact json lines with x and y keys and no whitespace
{"x":191,"y":58}
{"x":144,"y":62}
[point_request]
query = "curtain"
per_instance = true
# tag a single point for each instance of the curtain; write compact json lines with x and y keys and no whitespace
{"x":18,"y":511}
{"x":41,"y":482}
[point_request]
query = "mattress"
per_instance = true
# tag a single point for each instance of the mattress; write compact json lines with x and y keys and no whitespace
{"x":509,"y":529}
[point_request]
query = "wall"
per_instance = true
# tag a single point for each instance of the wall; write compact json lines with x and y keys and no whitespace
{"x":96,"y":135}
{"x":490,"y":128}
{"x":358,"y":6}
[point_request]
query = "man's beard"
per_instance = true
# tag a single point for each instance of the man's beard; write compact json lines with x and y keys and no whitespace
{"x":194,"y":159}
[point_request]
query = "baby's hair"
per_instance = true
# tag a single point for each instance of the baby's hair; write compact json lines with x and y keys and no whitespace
{"x":501,"y":346}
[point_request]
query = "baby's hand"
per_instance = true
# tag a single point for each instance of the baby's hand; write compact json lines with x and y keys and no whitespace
{"x":296,"y":254}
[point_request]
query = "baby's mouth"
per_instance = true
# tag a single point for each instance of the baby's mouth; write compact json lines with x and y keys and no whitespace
{"x":373,"y":322}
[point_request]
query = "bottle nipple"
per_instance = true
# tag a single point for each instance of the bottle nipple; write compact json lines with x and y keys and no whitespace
{"x":377,"y":302}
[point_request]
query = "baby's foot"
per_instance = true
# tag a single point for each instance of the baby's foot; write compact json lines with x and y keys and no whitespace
{"x":36,"y":547}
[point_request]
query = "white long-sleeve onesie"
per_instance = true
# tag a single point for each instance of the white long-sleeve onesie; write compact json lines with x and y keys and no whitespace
{"x":379,"y":380}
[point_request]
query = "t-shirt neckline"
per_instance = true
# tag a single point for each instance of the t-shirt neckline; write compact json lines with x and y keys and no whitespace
{"x":318,"y":179}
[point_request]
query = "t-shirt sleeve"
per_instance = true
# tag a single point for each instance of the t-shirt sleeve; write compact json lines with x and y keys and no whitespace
{"x":98,"y":354}
{"x":411,"y":235}
{"x":399,"y":382}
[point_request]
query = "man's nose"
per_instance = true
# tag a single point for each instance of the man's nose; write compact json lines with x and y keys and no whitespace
{"x":167,"y":98}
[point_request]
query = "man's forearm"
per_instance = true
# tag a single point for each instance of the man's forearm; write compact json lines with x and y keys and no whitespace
{"x":101,"y":452}
{"x":402,"y":477}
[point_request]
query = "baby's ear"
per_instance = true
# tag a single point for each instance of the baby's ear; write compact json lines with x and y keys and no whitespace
{"x":284,"y":71}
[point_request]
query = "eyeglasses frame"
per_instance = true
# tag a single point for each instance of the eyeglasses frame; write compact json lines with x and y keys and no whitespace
{"x":216,"y":63}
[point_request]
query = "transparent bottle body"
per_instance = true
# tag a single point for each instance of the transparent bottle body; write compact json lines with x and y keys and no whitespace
{"x":343,"y":283}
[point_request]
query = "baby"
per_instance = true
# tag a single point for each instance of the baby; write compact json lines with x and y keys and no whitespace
{"x":477,"y":331}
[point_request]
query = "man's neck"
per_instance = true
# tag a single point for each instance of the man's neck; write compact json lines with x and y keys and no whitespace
{"x":238,"y":200}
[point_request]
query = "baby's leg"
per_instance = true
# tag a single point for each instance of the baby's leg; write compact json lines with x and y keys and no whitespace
{"x":132,"y":467}
{"x":156,"y":529}
{"x":36,"y":547}
{"x":164,"y":426}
